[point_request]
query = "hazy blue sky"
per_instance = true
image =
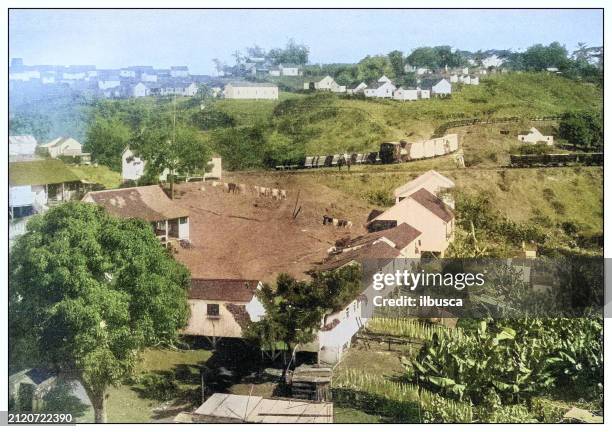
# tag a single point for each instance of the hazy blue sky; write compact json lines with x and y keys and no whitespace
{"x":161,"y":38}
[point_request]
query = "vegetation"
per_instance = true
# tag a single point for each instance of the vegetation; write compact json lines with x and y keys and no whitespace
{"x":89,"y":291}
{"x":295,"y":308}
{"x":583,"y":129}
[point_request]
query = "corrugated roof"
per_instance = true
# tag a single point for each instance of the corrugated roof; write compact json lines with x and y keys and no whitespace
{"x":250,"y":84}
{"x":400,"y":235}
{"x":380,"y":250}
{"x":144,"y":202}
{"x":40,"y":172}
{"x":230,"y":290}
{"x":433,"y":204}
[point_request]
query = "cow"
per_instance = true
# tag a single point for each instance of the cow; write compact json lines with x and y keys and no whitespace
{"x":327,"y":220}
{"x":275,"y":194}
{"x":349,"y":224}
{"x":257,"y":190}
{"x":232,"y":187}
{"x":335,"y":222}
{"x":226,"y":187}
{"x":268,"y":192}
{"x":283,"y":194}
{"x":242,"y":188}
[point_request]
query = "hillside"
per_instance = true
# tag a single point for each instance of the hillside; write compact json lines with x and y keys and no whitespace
{"x":325,"y":123}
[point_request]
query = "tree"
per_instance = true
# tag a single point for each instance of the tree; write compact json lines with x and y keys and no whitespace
{"x":397,"y":61}
{"x":255,"y":51}
{"x":88,"y":292}
{"x":583,"y":129}
{"x":105,"y":139}
{"x":539,"y":57}
{"x":293,"y":53}
{"x":295,"y":309}
{"x":371,"y":68}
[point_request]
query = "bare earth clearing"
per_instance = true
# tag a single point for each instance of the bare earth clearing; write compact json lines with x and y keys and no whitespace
{"x":245,"y":236}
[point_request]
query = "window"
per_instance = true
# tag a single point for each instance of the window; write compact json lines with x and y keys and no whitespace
{"x":212,"y":310}
{"x":183,"y":220}
{"x":348,"y":312}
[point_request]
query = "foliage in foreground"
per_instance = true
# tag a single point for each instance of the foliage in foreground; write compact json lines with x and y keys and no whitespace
{"x":88,"y":291}
{"x":507,"y":361}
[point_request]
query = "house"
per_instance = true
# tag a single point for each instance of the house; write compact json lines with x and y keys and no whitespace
{"x":179,"y":71}
{"x":442,"y":87}
{"x":22,"y":145}
{"x":149,"y":203}
{"x":64,"y":146}
{"x":127,"y":73}
{"x":406,"y":94}
{"x":359,"y":88}
{"x":534,"y":136}
{"x":290,"y":70}
{"x":384,"y":79}
{"x":36,"y":184}
{"x":140,"y":90}
{"x":423,"y":71}
{"x":174,"y":88}
{"x":148,"y":76}
{"x":492,"y":61}
{"x":132,"y":167}
{"x":380,"y":89}
{"x":222,"y":308}
{"x":109,"y":83}
{"x":339,"y":326}
{"x":424,"y":94}
{"x":250,"y":90}
{"x":425,"y":212}
{"x":274,"y":71}
{"x":405,"y":238}
{"x":326,"y":83}
{"x":454,"y":78}
{"x":232,"y":408}
{"x":432,"y":181}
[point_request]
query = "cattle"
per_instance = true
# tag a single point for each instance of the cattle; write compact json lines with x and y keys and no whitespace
{"x":257,"y":190}
{"x":327,"y":220}
{"x":242,"y":188}
{"x":226,"y":187}
{"x":215,"y":183}
{"x":275,"y":194}
{"x":283,"y":194}
{"x":231,"y":187}
{"x":335,"y":222}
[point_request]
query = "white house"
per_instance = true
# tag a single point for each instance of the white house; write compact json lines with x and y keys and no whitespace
{"x":148,"y":77}
{"x":326,"y":83}
{"x":132,"y":167}
{"x":381,"y":90}
{"x":22,"y":145}
{"x":108,"y":83}
{"x":222,"y":308}
{"x":492,"y":61}
{"x":63,"y":146}
{"x":534,"y":136}
{"x":140,"y":90}
{"x":425,"y":212}
{"x":383,"y":79}
{"x":442,"y":87}
{"x":424,"y":94}
{"x":432,"y":181}
{"x":422,"y":71}
{"x":290,"y":70}
{"x":179,"y":71}
{"x":275,"y":71}
{"x":454,"y":78}
{"x":127,"y":73}
{"x":406,"y":94}
{"x":250,"y":90}
{"x":178,"y":88}
{"x":149,"y":203}
{"x":359,"y":88}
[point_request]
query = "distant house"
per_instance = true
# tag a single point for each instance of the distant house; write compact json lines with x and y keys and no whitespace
{"x":250,"y":90}
{"x":149,"y":203}
{"x":406,"y":94}
{"x":290,"y":70}
{"x":274,"y":71}
{"x":432,"y":181}
{"x":127,"y":73}
{"x":140,"y":90}
{"x":148,"y":76}
{"x":380,"y":89}
{"x":174,"y":88}
{"x":359,"y":88}
{"x":222,"y":308}
{"x":132,"y":167}
{"x":442,"y":87}
{"x":534,"y":136}
{"x":22,"y":145}
{"x":454,"y":78}
{"x":424,"y":94}
{"x":492,"y":61}
{"x":179,"y":71}
{"x":64,"y":146}
{"x":422,"y":71}
{"x":326,"y":83}
{"x":425,"y":212}
{"x":384,"y":79}
{"x":109,"y":83}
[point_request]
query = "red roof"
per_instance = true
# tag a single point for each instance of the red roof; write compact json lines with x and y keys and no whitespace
{"x":433,"y":204}
{"x":229,"y":290}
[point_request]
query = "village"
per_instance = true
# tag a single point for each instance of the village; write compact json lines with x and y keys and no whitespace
{"x":203,"y":248}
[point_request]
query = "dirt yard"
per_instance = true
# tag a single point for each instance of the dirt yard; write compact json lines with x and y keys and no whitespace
{"x":245,"y":236}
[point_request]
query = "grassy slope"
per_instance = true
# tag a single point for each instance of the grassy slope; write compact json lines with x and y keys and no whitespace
{"x":335,"y":124}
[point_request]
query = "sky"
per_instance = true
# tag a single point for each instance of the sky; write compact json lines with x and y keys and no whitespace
{"x":162,"y":38}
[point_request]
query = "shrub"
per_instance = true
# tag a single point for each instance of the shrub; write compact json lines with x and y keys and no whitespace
{"x":583,"y":129}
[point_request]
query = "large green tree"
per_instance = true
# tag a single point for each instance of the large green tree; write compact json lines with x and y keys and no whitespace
{"x":88,"y":292}
{"x":106,"y":138}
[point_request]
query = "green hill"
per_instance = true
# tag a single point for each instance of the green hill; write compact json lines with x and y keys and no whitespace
{"x":323,"y":123}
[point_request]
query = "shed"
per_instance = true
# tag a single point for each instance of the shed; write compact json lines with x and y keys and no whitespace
{"x":229,"y":408}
